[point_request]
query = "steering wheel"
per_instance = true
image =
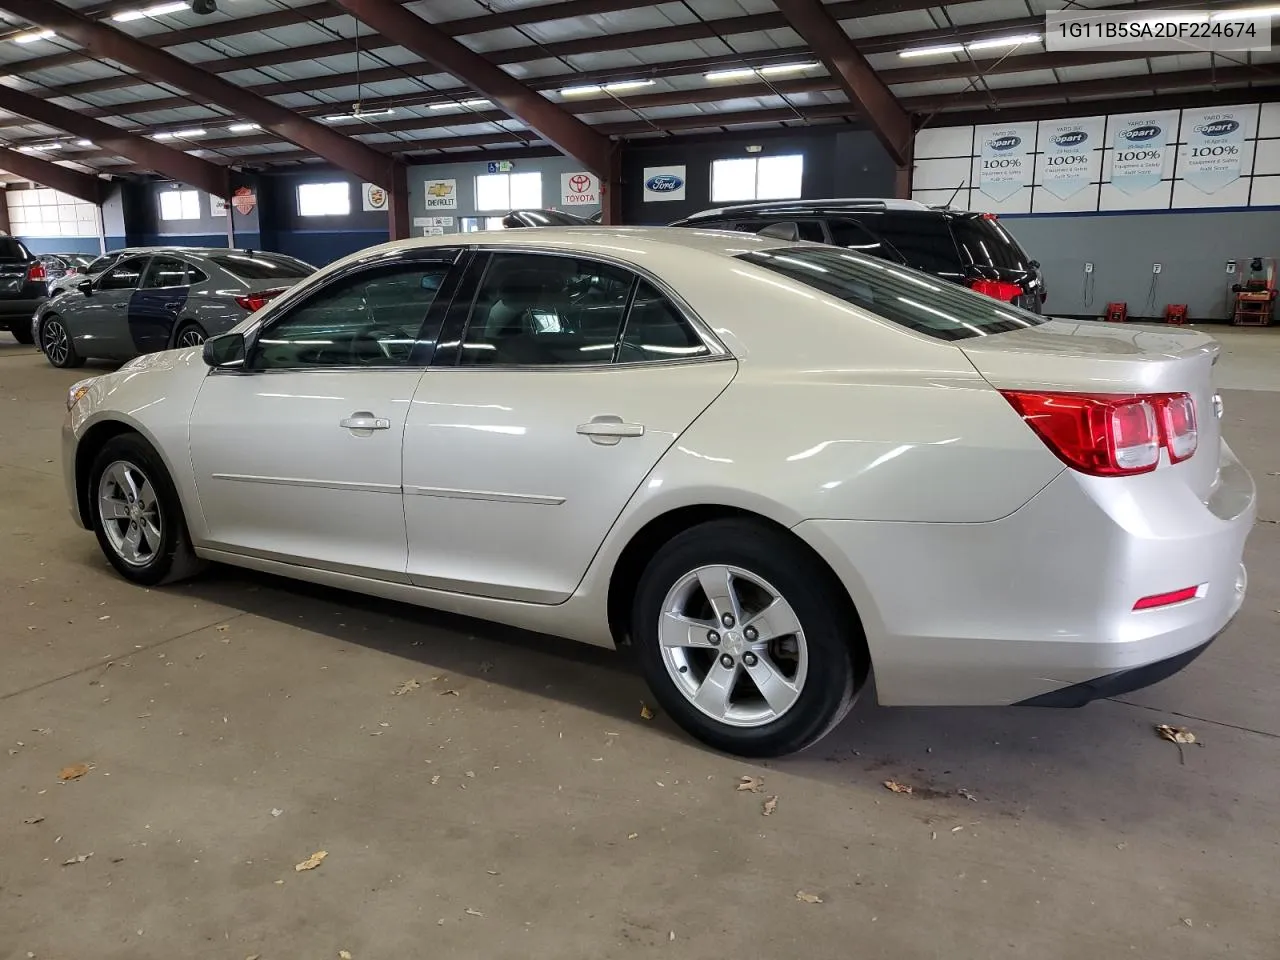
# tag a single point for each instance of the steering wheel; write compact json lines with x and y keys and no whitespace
{"x":375,"y":334}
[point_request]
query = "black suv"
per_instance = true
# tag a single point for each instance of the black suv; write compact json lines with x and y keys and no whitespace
{"x":971,"y":249}
{"x":22,"y":288}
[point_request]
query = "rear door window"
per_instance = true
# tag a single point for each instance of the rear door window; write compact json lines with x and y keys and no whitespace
{"x":165,"y":271}
{"x":908,"y":298}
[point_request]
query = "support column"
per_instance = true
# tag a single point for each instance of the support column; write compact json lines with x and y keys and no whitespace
{"x":902,"y":177}
{"x":611,"y":190}
{"x":4,"y":211}
{"x":398,"y":221}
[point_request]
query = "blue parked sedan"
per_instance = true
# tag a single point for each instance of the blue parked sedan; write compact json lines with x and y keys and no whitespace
{"x":158,"y":299}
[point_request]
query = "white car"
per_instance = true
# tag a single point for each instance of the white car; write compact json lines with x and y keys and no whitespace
{"x":770,"y":467}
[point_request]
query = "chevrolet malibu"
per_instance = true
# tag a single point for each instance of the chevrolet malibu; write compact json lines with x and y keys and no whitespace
{"x":770,"y":467}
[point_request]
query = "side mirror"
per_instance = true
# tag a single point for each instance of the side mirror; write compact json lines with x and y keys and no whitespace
{"x":85,"y":287}
{"x":1033,"y":264}
{"x":226,"y":350}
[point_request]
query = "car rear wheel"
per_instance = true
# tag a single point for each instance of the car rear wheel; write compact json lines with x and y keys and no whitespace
{"x":745,"y":640}
{"x":190,"y":335}
{"x":56,"y":343}
{"x":136,"y":513}
{"x":22,"y":333}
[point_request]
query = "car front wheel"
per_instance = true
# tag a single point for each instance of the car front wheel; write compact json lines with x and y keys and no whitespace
{"x":137,"y":515}
{"x":745,"y":639}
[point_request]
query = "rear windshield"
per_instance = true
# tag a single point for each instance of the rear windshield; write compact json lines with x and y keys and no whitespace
{"x":986,"y":243}
{"x":905,"y":297}
{"x":923,"y":241}
{"x":11,"y":249}
{"x":262,"y":266}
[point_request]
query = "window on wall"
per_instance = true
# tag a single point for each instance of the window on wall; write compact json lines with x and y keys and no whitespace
{"x":508,"y":191}
{"x":324,"y":199}
{"x":48,"y":213}
{"x":757,"y":178}
{"x":179,"y":205}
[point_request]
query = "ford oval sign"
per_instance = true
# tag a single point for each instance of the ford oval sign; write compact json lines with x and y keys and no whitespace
{"x":1218,"y":128}
{"x":1071,"y":139}
{"x":1001,"y":144}
{"x":1142,"y":134}
{"x":663,"y":183}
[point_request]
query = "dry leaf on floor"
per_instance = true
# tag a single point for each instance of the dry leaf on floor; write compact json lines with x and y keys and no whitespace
{"x":253,"y":956}
{"x":897,"y":787}
{"x":405,"y":687}
{"x":223,"y":628}
{"x":449,"y":693}
{"x":276,"y":811}
{"x":74,"y":772}
{"x":435,"y":779}
{"x":473,"y":913}
{"x":344,"y":955}
{"x":80,"y":859}
{"x":312,"y":861}
{"x":1187,"y":921}
{"x":807,"y":897}
{"x":754,"y":784}
{"x":1175,"y":734}
{"x":34,"y":820}
{"x":43,"y":730}
{"x":770,"y":805}
{"x":966,"y":794}
{"x":645,"y":712}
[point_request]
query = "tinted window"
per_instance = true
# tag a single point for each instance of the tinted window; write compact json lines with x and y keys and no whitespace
{"x":102,"y":263}
{"x":165,"y":272}
{"x":123,"y":277}
{"x":985,"y":243}
{"x":195,"y":274}
{"x":261,"y":266}
{"x":905,"y":297}
{"x":854,"y":236}
{"x":924,"y":241}
{"x":789,"y":230}
{"x":371,"y":319}
{"x":11,"y":249}
{"x":543,"y":310}
{"x":656,"y":330}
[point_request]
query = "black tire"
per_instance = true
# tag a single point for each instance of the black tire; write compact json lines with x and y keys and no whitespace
{"x":836,"y":648}
{"x":56,"y":343}
{"x":172,"y":557}
{"x":188,"y":331}
{"x":22,"y":333}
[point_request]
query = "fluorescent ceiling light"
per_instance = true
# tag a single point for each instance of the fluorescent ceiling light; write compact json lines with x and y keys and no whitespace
{"x":461,"y":104}
{"x":736,"y":74}
{"x":994,"y":42}
{"x":165,"y":135}
{"x":192,"y":132}
{"x":156,"y":10}
{"x":475,"y":103}
{"x":244,"y":127}
{"x":361,"y":114}
{"x":41,"y":147}
{"x":33,"y":36}
{"x":931,"y":51}
{"x":1247,"y":13}
{"x":785,"y":68}
{"x":618,"y":85}
{"x":84,"y":143}
{"x":580,"y":91}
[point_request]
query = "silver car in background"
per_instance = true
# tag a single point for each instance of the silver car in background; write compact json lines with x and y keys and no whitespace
{"x":158,"y":298}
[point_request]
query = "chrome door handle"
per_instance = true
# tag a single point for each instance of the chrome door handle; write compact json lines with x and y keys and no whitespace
{"x":173,"y":305}
{"x":609,"y":429}
{"x":361,"y":422}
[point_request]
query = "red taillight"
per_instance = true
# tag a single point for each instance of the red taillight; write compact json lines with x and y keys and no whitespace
{"x":1164,"y":599}
{"x":1000,"y":289}
{"x":259,"y":298}
{"x":1108,"y":435}
{"x":36,"y":272}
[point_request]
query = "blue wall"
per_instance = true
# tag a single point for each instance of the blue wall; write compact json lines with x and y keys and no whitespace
{"x":317,"y":240}
{"x":87,"y":245}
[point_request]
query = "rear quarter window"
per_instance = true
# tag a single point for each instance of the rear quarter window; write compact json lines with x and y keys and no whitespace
{"x":261,"y":266}
{"x":985,"y":243}
{"x":908,"y":298}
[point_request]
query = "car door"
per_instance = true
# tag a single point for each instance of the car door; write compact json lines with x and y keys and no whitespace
{"x":297,"y":456}
{"x":560,"y":382}
{"x":155,"y":305}
{"x":99,"y":320}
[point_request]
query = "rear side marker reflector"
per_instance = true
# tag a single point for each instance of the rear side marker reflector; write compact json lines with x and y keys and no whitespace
{"x":1166,"y":599}
{"x":1110,"y":435}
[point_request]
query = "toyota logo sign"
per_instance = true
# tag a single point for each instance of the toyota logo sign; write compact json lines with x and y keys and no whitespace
{"x":579,"y":183}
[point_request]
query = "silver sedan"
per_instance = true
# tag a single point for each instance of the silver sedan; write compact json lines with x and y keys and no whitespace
{"x":155,"y":299}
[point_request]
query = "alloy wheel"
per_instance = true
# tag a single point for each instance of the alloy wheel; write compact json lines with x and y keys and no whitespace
{"x":191,"y":337}
{"x":130,"y":513}
{"x":57,"y":346}
{"x":733,"y":645}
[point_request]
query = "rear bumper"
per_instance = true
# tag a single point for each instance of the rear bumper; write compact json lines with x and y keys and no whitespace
{"x":1042,"y":602}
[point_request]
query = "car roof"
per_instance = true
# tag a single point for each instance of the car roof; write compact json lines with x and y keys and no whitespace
{"x":811,"y":206}
{"x":626,"y":243}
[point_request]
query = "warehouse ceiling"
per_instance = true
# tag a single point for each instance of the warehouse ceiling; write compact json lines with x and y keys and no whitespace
{"x":632,"y":71}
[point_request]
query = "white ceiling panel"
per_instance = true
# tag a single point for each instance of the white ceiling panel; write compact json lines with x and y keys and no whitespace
{"x":985,"y":11}
{"x":1102,"y":71}
{"x":1182,"y":61}
{"x":1030,"y":78}
{"x":890,"y":23}
{"x":930,"y":88}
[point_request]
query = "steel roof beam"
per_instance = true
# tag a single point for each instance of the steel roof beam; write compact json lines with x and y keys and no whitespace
{"x":82,"y":186}
{"x":108,"y":43}
{"x":181,"y":166}
{"x":556,"y":125}
{"x":876,"y":104}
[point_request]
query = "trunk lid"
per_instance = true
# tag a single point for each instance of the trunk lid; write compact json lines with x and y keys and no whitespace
{"x":1093,"y":357}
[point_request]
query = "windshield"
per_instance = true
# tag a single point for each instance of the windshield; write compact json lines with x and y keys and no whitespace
{"x":908,"y":298}
{"x":262,"y":266}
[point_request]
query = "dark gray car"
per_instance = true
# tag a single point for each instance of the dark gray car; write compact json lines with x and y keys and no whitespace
{"x":158,"y":299}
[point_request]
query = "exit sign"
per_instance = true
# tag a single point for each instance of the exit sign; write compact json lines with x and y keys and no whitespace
{"x":501,"y":166}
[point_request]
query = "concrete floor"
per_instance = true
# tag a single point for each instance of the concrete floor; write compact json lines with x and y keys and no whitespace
{"x":535,"y":814}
